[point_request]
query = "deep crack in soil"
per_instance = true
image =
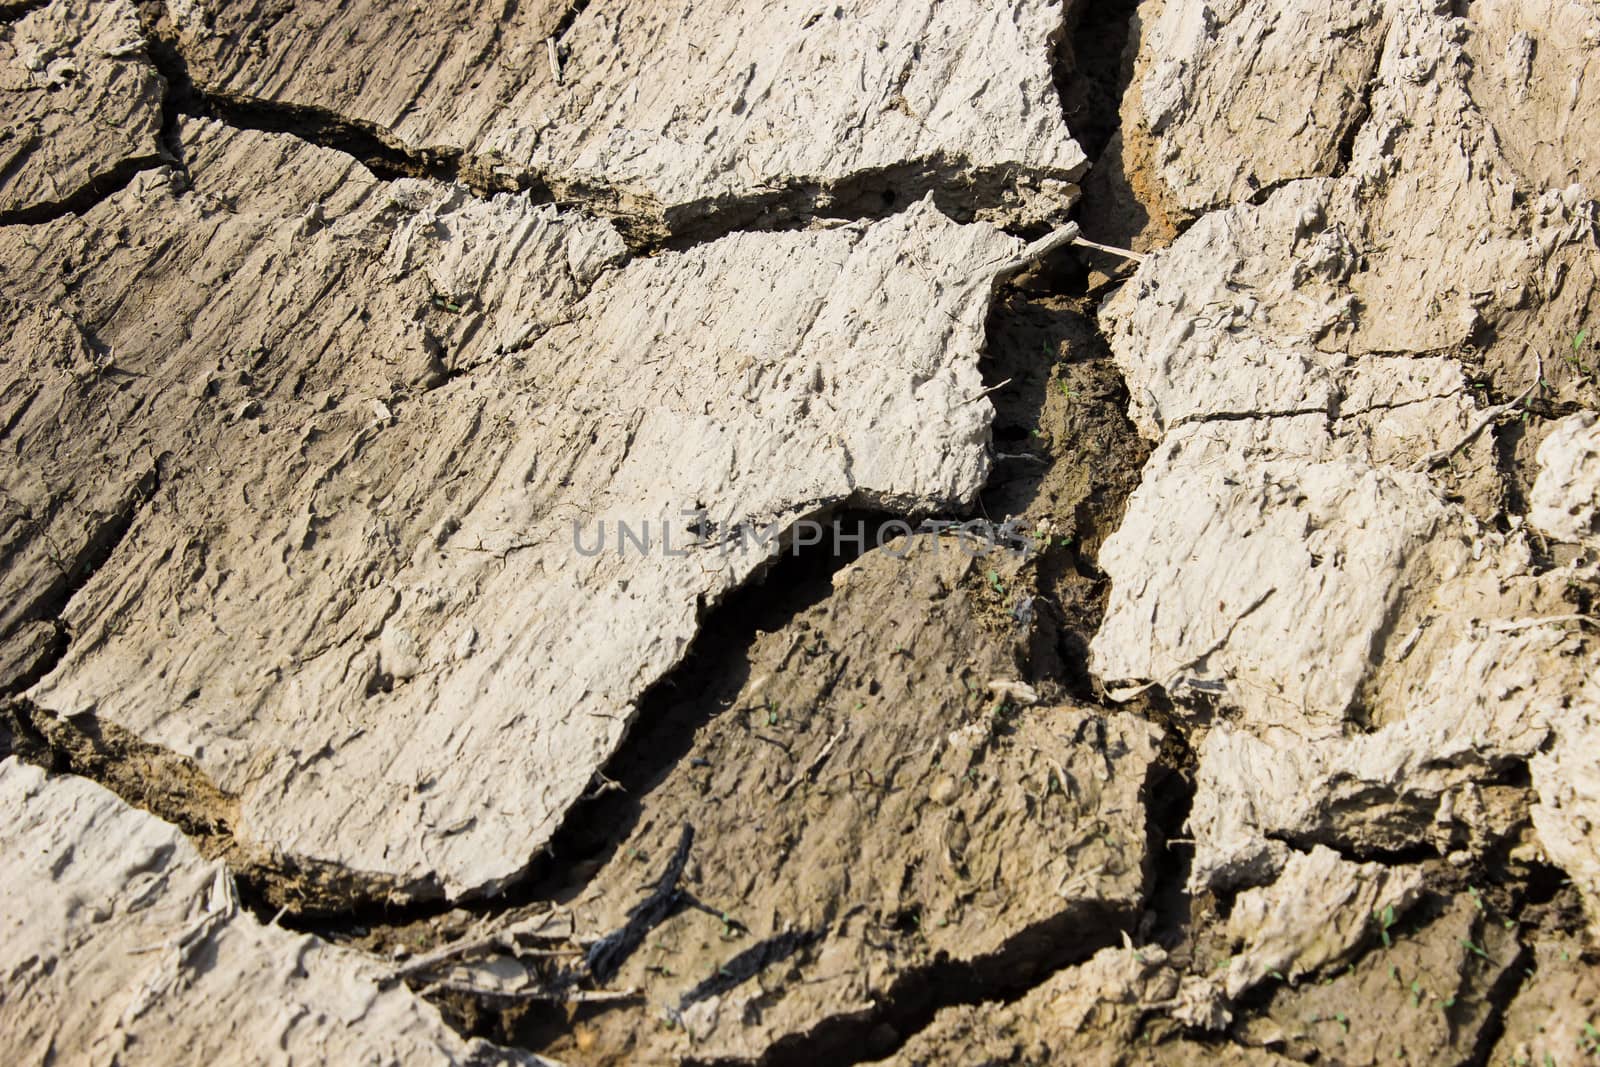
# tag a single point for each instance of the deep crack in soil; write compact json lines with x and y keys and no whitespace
{"x":1067,"y":459}
{"x":961,"y":189}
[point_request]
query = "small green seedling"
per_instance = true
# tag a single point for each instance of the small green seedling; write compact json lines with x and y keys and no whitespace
{"x":1475,"y":949}
{"x":1385,"y":919}
{"x":995,"y":583}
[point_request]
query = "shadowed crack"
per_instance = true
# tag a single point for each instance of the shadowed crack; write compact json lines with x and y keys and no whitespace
{"x":385,"y":155}
{"x":99,"y":187}
{"x":962,"y":190}
{"x":75,"y":573}
{"x":13,"y":11}
{"x":1022,"y":963}
{"x":173,"y":788}
{"x":610,"y":952}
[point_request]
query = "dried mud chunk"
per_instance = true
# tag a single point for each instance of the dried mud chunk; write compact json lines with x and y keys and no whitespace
{"x":1422,"y":996}
{"x":1261,"y":586}
{"x":1535,"y":73}
{"x":1094,"y":1015}
{"x":1555,"y":1017}
{"x":1245,"y":94}
{"x":367,"y":555}
{"x":665,"y":115}
{"x":122,"y":944}
{"x":1565,"y":502}
{"x":1567,"y":781}
{"x":1464,"y":706}
{"x":83,"y":104}
{"x":868,"y":805}
{"x":1317,"y":914}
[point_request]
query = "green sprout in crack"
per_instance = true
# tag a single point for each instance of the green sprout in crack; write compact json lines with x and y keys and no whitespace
{"x":1385,"y":919}
{"x":1574,"y":359}
{"x":1475,"y":949}
{"x":995,"y":583}
{"x":1590,"y":1041}
{"x":1066,"y":390}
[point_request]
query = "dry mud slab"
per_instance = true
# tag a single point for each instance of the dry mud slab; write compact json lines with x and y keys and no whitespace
{"x":337,"y":337}
{"x":123,"y":945}
{"x":461,"y":449}
{"x":1321,"y":557}
{"x":671,"y":115}
{"x":83,"y":106}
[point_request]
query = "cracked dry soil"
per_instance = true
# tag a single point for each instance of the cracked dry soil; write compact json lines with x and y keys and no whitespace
{"x":332,"y":333}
